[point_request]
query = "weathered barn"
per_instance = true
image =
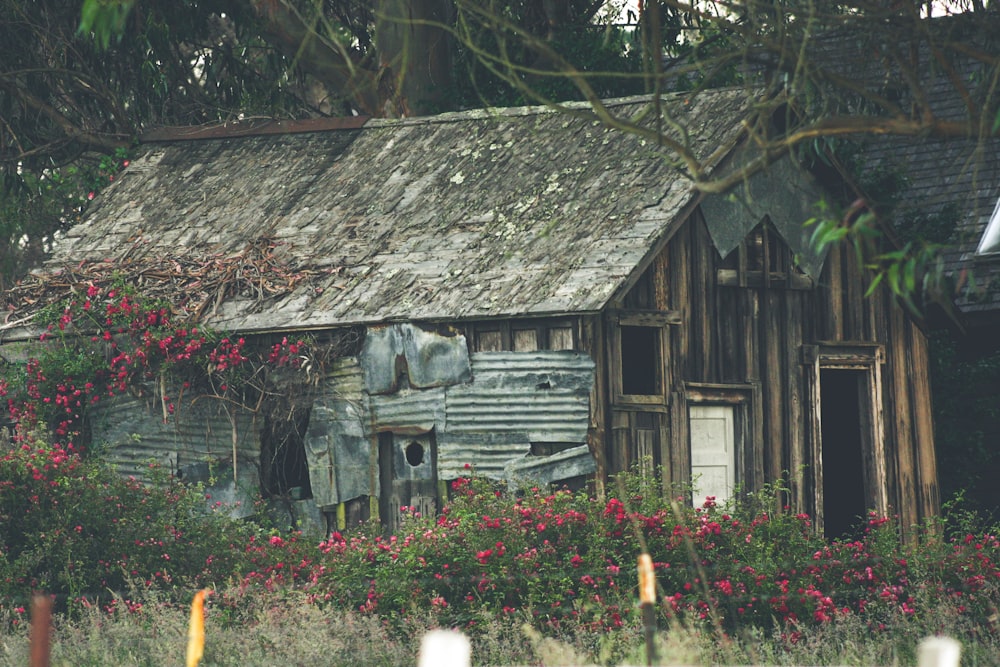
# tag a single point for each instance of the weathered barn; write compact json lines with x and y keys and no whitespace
{"x":535,"y":295}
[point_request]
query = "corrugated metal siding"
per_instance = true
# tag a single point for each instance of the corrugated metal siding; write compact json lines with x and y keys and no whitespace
{"x":337,"y":443}
{"x":409,"y":411}
{"x":534,"y":415}
{"x":478,"y":453}
{"x":131,"y":434}
{"x":512,"y":400}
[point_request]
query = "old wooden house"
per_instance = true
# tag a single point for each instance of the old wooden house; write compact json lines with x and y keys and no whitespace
{"x":535,"y":296}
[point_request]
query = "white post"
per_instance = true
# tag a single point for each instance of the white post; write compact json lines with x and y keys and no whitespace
{"x":445,"y":648}
{"x":938,"y":652}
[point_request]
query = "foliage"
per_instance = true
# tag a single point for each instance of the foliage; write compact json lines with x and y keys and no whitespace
{"x":110,"y":341}
{"x":748,"y":580}
{"x":966,"y":413}
{"x":79,"y":530}
{"x":37,"y":205}
{"x":568,"y":560}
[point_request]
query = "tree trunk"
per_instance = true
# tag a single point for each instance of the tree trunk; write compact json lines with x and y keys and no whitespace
{"x":415,"y":75}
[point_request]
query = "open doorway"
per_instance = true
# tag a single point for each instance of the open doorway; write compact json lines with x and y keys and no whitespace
{"x":284,"y":469}
{"x":843,"y":418}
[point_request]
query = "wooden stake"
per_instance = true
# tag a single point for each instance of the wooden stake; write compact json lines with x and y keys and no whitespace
{"x":939,"y":652}
{"x":647,"y":602}
{"x":445,"y":648}
{"x":41,"y":624}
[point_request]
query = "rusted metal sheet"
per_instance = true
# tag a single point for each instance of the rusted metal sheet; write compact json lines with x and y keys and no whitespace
{"x":428,"y":359}
{"x":337,"y":442}
{"x":567,"y":464}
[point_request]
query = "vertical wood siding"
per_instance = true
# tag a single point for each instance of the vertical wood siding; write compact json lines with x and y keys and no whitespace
{"x":755,"y":334}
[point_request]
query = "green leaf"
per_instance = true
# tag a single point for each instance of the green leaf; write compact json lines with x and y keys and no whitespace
{"x":104,"y":19}
{"x":876,"y":281}
{"x":893,"y":276}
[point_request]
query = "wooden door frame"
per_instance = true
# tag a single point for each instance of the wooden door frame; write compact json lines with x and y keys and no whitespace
{"x":749,"y":449}
{"x":852,"y":356}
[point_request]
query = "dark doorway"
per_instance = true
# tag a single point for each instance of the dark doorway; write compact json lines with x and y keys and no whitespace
{"x":844,"y":503}
{"x":284,"y":469}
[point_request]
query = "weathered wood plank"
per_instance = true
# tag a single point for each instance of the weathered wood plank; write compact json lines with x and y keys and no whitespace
{"x":592,"y":341}
{"x":929,"y":502}
{"x":902,"y":436}
{"x":525,"y":340}
{"x":774,"y":377}
{"x":794,"y":390}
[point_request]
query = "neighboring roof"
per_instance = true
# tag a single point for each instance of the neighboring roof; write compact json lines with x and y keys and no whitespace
{"x":951,"y":182}
{"x":955,"y":181}
{"x":477,"y":214}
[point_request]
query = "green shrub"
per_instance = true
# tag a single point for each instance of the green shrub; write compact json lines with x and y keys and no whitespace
{"x":76,"y":529}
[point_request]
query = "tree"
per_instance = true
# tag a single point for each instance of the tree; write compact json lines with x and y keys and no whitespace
{"x":81,"y":78}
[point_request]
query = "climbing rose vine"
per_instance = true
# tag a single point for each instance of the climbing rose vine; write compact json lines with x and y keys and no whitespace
{"x":109,"y":341}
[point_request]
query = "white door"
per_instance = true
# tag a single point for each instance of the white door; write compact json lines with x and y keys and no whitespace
{"x":713,"y":452}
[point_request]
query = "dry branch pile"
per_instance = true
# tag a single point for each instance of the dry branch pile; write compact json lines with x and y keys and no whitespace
{"x":192,"y":286}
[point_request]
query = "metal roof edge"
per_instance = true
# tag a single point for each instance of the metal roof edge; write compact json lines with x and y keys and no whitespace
{"x":268,"y":126}
{"x":250,"y":128}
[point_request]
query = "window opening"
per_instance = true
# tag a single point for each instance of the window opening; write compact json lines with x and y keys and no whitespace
{"x":843,"y":463}
{"x":640,"y":356}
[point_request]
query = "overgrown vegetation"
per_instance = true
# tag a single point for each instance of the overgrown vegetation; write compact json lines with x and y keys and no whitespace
{"x":521,"y":573}
{"x":107,"y":340}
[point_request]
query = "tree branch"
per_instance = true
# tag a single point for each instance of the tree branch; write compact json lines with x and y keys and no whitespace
{"x":296,"y":37}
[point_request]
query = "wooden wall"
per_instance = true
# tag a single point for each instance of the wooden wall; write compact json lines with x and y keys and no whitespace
{"x":761,"y":339}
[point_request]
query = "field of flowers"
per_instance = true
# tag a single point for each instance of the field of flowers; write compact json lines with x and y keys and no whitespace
{"x":560,"y":563}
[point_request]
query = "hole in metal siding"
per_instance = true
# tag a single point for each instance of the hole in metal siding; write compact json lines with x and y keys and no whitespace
{"x":414,"y":454}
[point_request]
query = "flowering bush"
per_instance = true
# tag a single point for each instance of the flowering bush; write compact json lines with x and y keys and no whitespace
{"x":109,"y":341}
{"x":81,"y":531}
{"x":565,"y":558}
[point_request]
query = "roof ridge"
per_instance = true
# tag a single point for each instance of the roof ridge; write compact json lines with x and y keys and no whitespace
{"x":268,"y":126}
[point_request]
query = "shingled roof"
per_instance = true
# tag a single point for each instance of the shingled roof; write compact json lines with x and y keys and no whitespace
{"x":478,"y":214}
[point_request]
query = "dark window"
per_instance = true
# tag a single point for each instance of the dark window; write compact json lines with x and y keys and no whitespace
{"x":640,"y":354}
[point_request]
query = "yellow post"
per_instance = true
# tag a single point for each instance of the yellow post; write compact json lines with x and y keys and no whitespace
{"x":647,"y":602}
{"x":196,"y":628}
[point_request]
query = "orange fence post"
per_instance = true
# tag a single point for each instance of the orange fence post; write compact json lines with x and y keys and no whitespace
{"x":41,"y":624}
